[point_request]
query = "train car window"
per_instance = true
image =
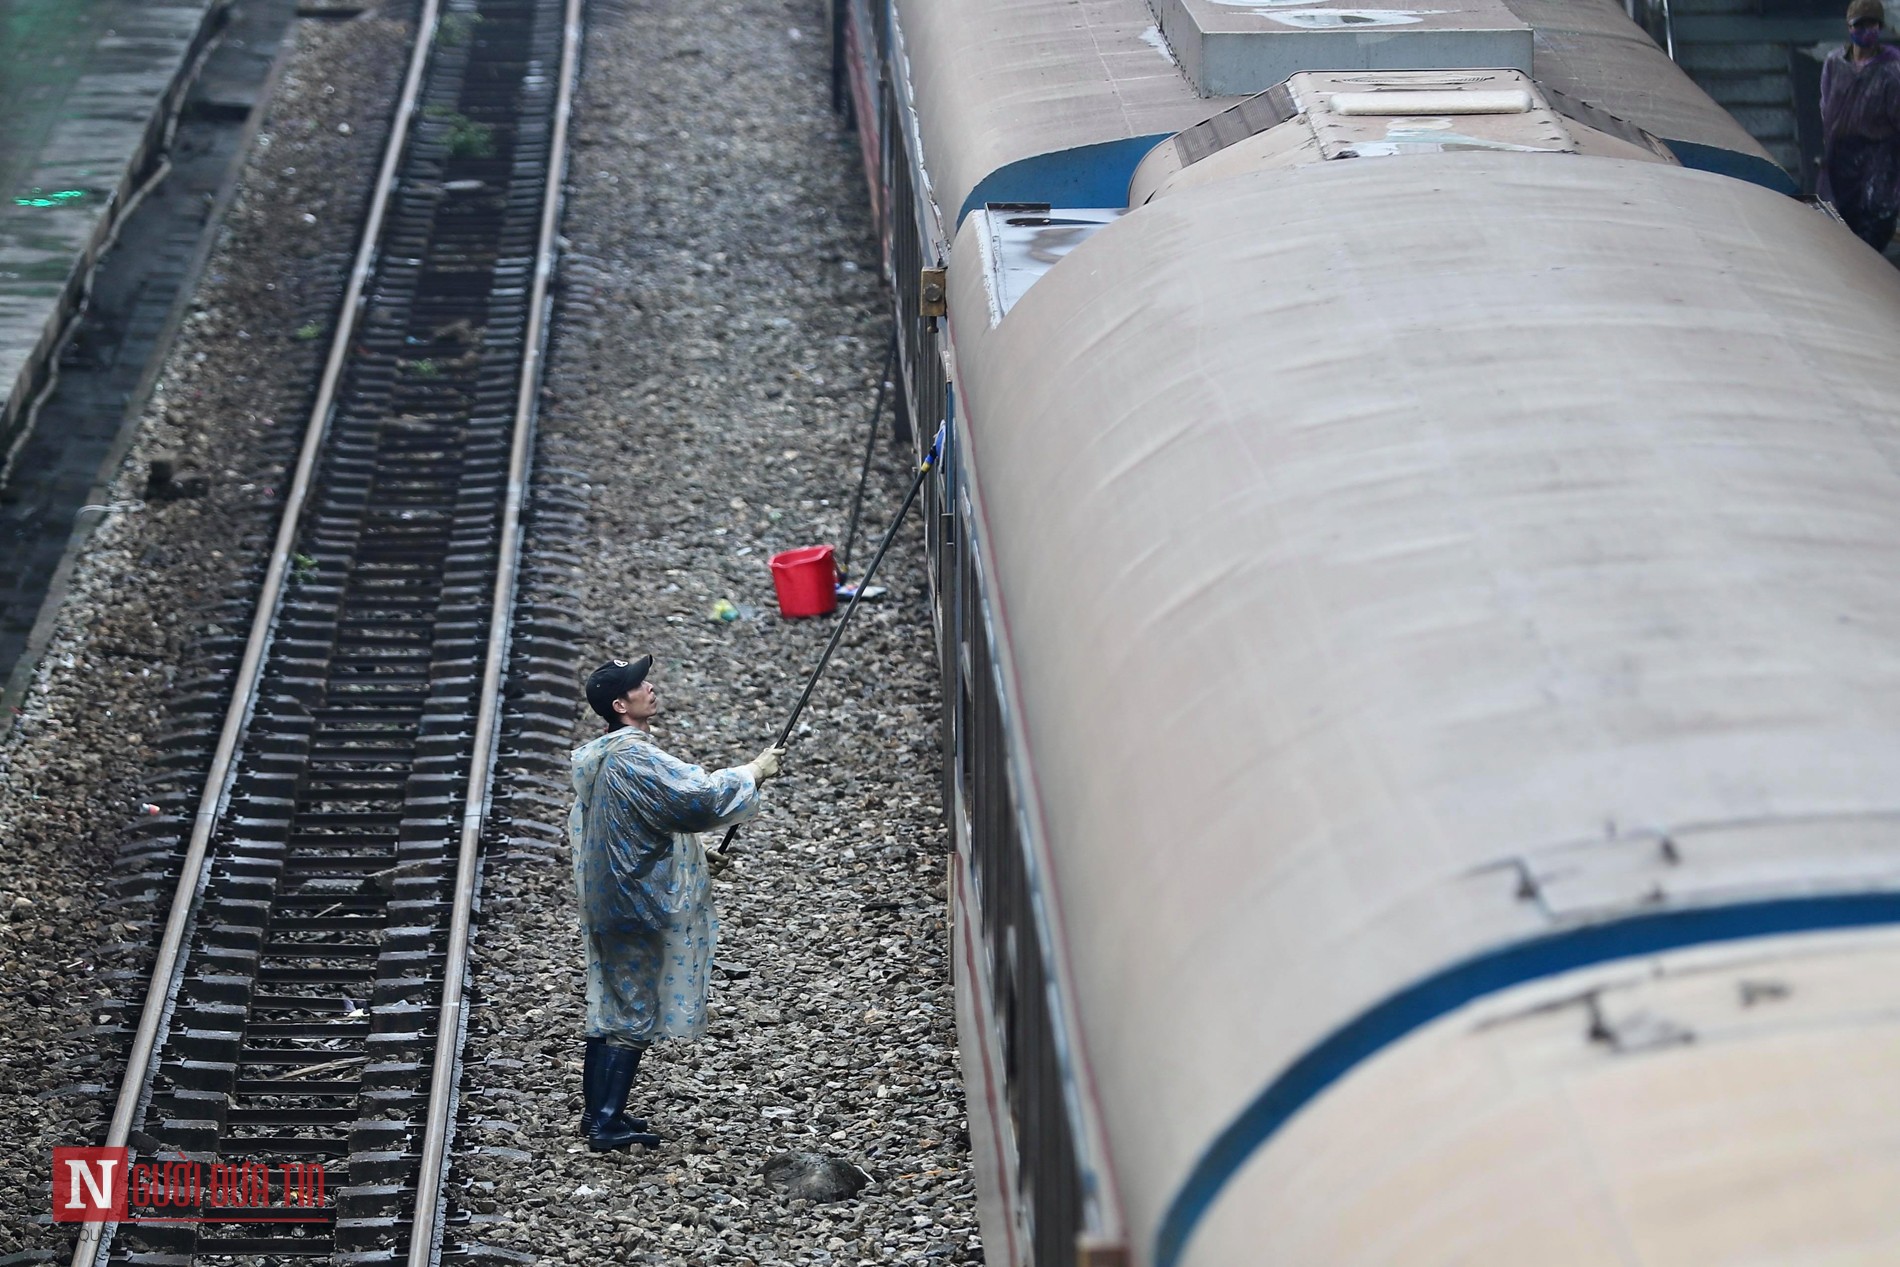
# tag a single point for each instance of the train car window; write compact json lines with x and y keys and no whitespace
{"x":953,"y":673}
{"x":881,"y":27}
{"x":972,"y":668}
{"x":1047,"y":1173}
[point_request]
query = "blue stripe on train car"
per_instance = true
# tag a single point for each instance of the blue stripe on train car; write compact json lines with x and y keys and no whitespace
{"x":1752,"y":168}
{"x":1085,"y":176}
{"x":1445,"y":992}
{"x":1098,"y":175}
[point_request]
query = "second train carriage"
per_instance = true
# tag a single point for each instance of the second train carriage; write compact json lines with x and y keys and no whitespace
{"x":1420,"y":686}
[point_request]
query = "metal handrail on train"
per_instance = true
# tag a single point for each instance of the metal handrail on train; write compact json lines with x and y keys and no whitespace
{"x":426,"y":1228}
{"x":1645,"y":14}
{"x":94,"y":1238}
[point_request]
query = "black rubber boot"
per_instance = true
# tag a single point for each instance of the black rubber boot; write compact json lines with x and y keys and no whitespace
{"x":607,"y":1126}
{"x":593,"y":1091}
{"x":590,"y":1081}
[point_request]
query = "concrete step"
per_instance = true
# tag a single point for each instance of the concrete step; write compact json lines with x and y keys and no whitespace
{"x":1767,"y":123}
{"x":1736,"y":90}
{"x":1734,"y":29}
{"x":1731,"y":58}
{"x":1744,"y":8}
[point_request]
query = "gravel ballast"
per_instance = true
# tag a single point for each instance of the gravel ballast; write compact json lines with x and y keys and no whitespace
{"x":720,"y":329}
{"x":77,"y":765}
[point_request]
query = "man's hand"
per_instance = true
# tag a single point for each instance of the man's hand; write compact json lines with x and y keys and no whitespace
{"x":765,"y":765}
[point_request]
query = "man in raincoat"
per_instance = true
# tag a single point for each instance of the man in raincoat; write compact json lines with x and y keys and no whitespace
{"x":645,"y":895}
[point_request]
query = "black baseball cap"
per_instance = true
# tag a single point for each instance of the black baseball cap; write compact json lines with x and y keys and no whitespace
{"x":614,"y":679}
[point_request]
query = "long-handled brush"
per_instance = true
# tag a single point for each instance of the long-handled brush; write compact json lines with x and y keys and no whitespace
{"x":837,"y":630}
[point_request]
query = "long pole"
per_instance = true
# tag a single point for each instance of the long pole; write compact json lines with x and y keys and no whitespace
{"x":857,"y":596}
{"x":870,"y":447}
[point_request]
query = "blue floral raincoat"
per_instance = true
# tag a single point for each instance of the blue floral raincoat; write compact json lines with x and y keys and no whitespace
{"x":644,"y":890}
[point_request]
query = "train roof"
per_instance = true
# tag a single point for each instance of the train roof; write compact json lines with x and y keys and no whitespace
{"x":1710,"y":1107}
{"x":1002,"y":82}
{"x":996,"y":82}
{"x":1592,"y":51}
{"x":1501,"y":549}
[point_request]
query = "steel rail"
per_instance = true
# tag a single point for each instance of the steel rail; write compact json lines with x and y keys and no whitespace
{"x":95,"y":1238}
{"x":426,"y":1228}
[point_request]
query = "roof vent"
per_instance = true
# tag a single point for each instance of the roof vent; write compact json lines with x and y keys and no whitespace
{"x":1235,"y":47}
{"x":1325,"y":115}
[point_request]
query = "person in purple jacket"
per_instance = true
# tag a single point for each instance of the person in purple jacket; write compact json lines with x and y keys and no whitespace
{"x":1860,"y":127}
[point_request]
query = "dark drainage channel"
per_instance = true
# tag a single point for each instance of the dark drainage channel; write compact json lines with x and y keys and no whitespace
{"x":107,"y":368}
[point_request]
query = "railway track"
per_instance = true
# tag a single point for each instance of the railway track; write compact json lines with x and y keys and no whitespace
{"x":307,"y":1000}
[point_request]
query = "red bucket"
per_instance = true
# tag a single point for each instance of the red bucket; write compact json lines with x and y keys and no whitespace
{"x":806,"y":581}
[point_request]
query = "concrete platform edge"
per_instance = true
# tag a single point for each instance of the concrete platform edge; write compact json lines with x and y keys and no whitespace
{"x":19,"y":683}
{"x":37,"y":372}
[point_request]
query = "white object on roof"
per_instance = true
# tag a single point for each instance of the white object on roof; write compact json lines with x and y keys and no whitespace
{"x":1456,"y":101}
{"x":1379,"y":114}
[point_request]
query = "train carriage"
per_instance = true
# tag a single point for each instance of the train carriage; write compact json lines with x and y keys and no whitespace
{"x":1416,"y":584}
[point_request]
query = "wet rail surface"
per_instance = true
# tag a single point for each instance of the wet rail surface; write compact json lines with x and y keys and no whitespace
{"x":305,"y":1028}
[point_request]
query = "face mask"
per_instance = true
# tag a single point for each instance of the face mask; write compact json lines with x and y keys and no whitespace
{"x":1865,"y":36}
